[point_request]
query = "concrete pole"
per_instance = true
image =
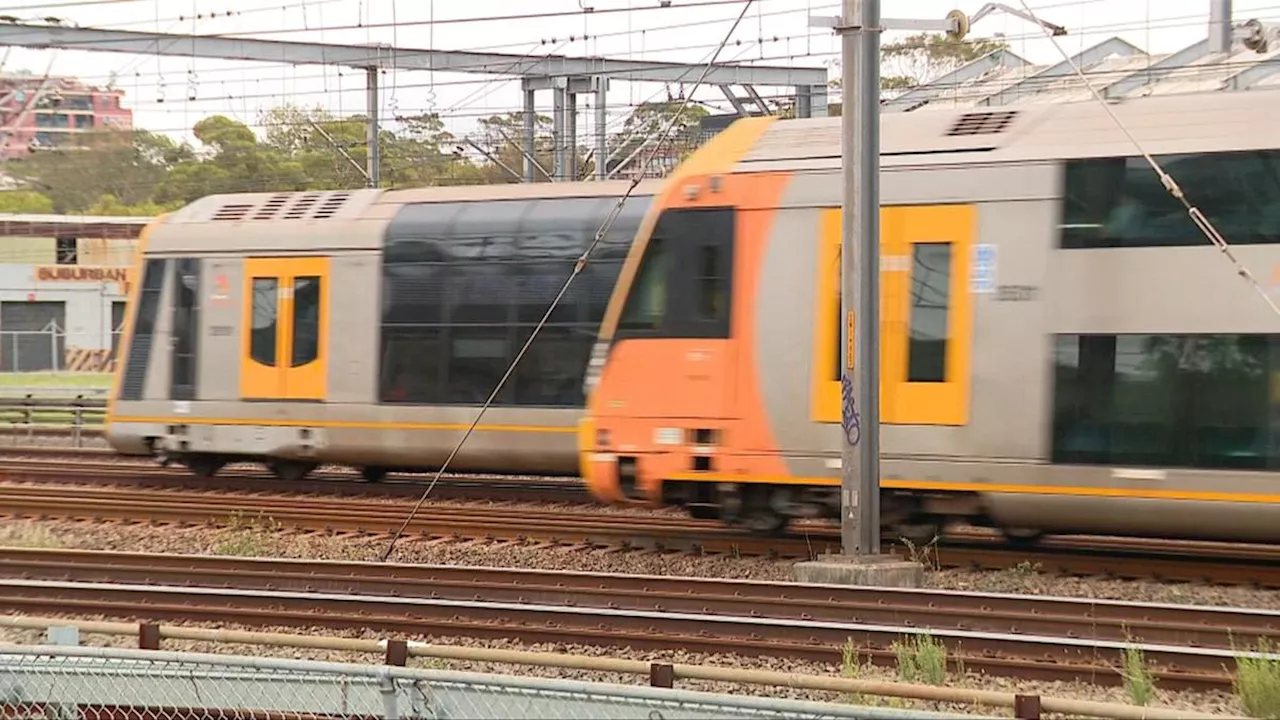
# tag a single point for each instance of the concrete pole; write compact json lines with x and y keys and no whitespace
{"x":860,"y":279}
{"x":570,"y":133}
{"x":1220,"y":26}
{"x":373,"y":159}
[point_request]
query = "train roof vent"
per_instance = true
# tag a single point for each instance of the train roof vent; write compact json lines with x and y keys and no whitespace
{"x":232,"y":212}
{"x":332,"y":203}
{"x":271,"y":207}
{"x":302,"y":206}
{"x":983,"y":123}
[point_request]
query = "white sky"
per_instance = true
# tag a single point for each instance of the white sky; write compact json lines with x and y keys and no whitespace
{"x":775,"y":32}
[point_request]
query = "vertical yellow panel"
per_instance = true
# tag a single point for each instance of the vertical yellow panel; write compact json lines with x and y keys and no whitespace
{"x":824,"y":393}
{"x":938,"y":403}
{"x":307,"y":381}
{"x":261,"y":380}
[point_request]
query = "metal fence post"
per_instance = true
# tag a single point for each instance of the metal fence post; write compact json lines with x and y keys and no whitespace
{"x":662,"y":675}
{"x":388,"y":686}
{"x":148,"y":636}
{"x":1026,"y":707}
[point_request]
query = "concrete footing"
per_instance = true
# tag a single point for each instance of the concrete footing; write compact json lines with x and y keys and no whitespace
{"x":865,"y":570}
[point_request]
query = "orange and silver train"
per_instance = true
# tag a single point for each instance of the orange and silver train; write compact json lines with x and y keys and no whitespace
{"x":1062,"y":349}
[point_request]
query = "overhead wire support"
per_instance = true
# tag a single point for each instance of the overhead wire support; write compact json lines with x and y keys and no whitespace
{"x":578,"y":267}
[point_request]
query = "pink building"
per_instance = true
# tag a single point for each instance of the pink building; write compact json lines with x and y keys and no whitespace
{"x":38,"y":112}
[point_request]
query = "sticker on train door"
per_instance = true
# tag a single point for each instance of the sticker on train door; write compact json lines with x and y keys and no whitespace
{"x":982,"y":273}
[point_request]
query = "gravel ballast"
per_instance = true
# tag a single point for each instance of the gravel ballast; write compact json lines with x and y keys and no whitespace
{"x":254,"y":539}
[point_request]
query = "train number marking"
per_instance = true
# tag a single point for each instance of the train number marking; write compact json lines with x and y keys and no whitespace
{"x":1017,"y":293}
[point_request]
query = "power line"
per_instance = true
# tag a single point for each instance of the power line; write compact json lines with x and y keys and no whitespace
{"x":577,"y":269}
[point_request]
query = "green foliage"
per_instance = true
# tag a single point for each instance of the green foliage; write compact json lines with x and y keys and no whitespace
{"x":1257,"y":683}
{"x":919,"y":58}
{"x":921,"y":659}
{"x":299,"y":148}
{"x":1139,"y":681}
{"x":25,"y":201}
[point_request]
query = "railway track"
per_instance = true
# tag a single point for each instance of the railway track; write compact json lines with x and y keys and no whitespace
{"x":1043,"y":638}
{"x":1119,"y":557}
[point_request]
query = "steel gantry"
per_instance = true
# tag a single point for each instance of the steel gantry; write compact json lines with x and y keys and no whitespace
{"x":567,"y":77}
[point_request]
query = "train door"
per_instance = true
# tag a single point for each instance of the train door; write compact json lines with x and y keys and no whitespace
{"x":285,"y":335}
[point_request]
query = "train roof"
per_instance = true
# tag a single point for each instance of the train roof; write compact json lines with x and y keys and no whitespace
{"x":334,"y":220}
{"x":1035,"y":132}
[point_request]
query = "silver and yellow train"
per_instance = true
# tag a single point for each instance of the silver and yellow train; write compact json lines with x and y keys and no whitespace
{"x":1062,"y":349}
{"x":365,"y":328}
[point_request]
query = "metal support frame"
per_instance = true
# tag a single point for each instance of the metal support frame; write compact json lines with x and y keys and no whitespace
{"x":1084,"y":59}
{"x":564,"y":123}
{"x":373,"y":159}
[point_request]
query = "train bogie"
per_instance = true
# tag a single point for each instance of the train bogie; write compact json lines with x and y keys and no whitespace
{"x":1061,"y":349}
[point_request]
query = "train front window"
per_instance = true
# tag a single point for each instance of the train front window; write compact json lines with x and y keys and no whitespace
{"x":647,"y":304}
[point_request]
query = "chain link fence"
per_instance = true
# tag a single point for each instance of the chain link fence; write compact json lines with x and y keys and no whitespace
{"x":65,"y":682}
{"x":53,"y":350}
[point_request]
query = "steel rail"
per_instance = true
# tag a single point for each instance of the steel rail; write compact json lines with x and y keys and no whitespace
{"x":1019,"y":655}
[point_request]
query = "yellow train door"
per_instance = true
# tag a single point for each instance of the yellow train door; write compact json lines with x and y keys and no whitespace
{"x":286,"y":327}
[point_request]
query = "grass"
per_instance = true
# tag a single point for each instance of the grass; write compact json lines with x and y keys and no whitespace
{"x":921,"y":659}
{"x":55,"y":380}
{"x":1139,"y":681}
{"x":248,"y":536}
{"x":1257,"y":683}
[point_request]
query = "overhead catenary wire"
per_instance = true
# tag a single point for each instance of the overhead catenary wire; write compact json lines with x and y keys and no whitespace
{"x":1166,"y":179}
{"x":577,"y":269}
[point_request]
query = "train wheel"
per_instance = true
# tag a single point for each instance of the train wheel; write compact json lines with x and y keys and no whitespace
{"x":1022,"y":537}
{"x":289,"y":470}
{"x":205,"y":467}
{"x":374,"y":474}
{"x":759,"y":514}
{"x":919,"y":534}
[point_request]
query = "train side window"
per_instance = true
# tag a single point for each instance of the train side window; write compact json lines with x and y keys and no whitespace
{"x":306,"y":321}
{"x":262,"y":335}
{"x":1191,"y":401}
{"x":1120,"y":202}
{"x":712,"y":277}
{"x":186,"y":329}
{"x":144,"y":325}
{"x":930,"y":295}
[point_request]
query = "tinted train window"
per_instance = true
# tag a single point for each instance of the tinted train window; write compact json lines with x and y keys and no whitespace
{"x":185,"y":329}
{"x":930,"y":292}
{"x":685,"y":283}
{"x":306,"y":320}
{"x":464,"y":284}
{"x":265,"y":318}
{"x":1120,"y":202}
{"x":1196,"y":401}
{"x":144,"y":326}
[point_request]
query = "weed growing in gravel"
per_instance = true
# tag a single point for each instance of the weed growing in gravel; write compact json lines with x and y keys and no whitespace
{"x":926,"y":554}
{"x":921,"y":659}
{"x":1139,"y":681}
{"x":854,"y":668}
{"x":28,"y":535}
{"x":248,"y":537}
{"x":1257,"y":683}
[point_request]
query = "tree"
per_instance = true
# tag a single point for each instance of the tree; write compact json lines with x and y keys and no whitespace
{"x":646,"y":126}
{"x":130,"y":166}
{"x":25,"y":201}
{"x":501,"y":137}
{"x":920,"y":58}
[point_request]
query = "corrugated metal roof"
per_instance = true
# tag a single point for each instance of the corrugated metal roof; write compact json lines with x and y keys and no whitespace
{"x":1113,"y":66}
